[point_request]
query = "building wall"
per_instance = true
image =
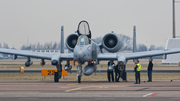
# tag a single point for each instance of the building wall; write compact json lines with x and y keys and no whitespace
{"x":173,"y":58}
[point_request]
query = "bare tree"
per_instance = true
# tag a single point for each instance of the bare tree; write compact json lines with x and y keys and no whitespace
{"x":141,"y":47}
{"x":152,"y":47}
{"x":5,"y":45}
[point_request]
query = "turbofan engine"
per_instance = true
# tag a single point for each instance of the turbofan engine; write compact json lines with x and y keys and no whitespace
{"x":111,"y":42}
{"x":89,"y":69}
{"x":71,"y":41}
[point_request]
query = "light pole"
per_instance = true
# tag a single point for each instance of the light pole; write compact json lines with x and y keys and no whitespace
{"x":173,"y":5}
{"x":173,"y":19}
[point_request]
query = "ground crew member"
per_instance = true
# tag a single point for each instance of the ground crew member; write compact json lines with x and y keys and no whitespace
{"x":137,"y":70}
{"x":110,"y":73}
{"x":117,"y":73}
{"x":150,"y":66}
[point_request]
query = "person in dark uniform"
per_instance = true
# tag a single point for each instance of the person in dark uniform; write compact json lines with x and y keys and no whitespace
{"x":117,"y":73}
{"x":110,"y":73}
{"x":150,"y":66}
{"x":137,"y":70}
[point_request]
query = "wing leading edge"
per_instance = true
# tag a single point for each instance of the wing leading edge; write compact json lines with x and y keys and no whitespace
{"x":48,"y":56}
{"x":136,"y":55}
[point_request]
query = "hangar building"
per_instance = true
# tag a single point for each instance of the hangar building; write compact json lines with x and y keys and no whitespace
{"x":172,"y":59}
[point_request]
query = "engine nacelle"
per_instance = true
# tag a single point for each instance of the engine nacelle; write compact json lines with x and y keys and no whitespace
{"x":71,"y":41}
{"x":55,"y":60}
{"x":67,"y":67}
{"x":111,"y":42}
{"x":121,"y":60}
{"x":89,"y":69}
{"x":28,"y":63}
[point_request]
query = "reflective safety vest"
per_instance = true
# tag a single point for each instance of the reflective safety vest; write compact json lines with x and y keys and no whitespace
{"x":139,"y":67}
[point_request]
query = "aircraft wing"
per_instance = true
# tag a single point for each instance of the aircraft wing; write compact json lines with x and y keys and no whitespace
{"x":135,"y":55}
{"x":107,"y":56}
{"x":38,"y":55}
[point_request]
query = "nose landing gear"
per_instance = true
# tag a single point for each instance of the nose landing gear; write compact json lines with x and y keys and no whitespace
{"x":79,"y":72}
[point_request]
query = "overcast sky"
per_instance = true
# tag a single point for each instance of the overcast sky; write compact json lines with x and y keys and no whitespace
{"x":41,"y":20}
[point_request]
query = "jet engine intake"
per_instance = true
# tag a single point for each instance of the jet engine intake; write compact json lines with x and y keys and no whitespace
{"x":28,"y":63}
{"x":71,"y":41}
{"x":89,"y":69}
{"x":111,"y":42}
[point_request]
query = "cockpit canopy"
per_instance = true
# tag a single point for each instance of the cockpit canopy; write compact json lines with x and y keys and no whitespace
{"x":84,"y":29}
{"x":83,"y":40}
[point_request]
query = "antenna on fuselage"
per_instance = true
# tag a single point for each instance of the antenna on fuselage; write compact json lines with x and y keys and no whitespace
{"x":62,"y":39}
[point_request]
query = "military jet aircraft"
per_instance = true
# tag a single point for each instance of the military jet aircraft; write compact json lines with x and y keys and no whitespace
{"x":86,"y":50}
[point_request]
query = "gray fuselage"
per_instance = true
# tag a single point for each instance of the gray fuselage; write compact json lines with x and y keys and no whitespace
{"x":83,"y":51}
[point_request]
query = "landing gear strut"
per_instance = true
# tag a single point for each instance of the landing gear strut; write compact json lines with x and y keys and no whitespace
{"x":57,"y":74}
{"x":79,"y":72}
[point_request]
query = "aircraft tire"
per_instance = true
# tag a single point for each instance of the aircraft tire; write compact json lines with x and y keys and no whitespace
{"x":79,"y":79}
{"x":56,"y":77}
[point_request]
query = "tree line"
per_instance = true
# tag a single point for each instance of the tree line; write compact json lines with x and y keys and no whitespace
{"x":127,"y":45}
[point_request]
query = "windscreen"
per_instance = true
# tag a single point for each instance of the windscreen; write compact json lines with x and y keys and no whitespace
{"x":82,"y":41}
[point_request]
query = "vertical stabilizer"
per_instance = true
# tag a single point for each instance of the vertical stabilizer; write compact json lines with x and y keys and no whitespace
{"x":134,"y":39}
{"x":62,"y":39}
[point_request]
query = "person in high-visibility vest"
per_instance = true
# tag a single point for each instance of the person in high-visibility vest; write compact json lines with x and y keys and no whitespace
{"x":137,"y":70}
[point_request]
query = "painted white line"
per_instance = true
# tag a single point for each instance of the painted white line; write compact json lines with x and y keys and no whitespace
{"x":147,"y":94}
{"x":153,"y":94}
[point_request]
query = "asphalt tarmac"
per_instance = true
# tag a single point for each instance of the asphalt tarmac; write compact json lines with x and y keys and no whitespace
{"x":90,"y":90}
{"x":101,"y":71}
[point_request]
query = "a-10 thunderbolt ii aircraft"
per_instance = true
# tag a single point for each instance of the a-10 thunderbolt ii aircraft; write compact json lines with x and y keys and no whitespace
{"x":85,"y":50}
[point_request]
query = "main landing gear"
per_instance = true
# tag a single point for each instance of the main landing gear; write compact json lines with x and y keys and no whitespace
{"x":57,"y":74}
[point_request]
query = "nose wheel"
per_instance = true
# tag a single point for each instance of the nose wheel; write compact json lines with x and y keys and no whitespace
{"x":56,"y":77}
{"x":79,"y":72}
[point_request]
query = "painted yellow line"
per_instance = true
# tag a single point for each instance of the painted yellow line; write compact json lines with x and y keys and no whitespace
{"x":76,"y":89}
{"x":100,"y":86}
{"x":72,"y":84}
{"x":64,"y":87}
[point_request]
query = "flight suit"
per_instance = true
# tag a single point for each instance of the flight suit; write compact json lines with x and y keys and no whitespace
{"x":110,"y":75}
{"x":117,"y":73}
